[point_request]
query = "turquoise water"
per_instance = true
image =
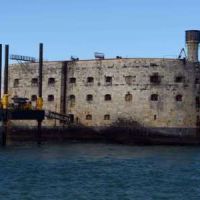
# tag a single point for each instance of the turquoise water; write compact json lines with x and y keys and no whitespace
{"x":99,"y":172}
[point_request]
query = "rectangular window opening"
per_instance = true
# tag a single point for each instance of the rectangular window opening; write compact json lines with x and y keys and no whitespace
{"x":106,"y":117}
{"x":108,"y":80}
{"x":50,"y":97}
{"x":16,"y":82}
{"x":72,"y":80}
{"x":34,"y":82}
{"x":155,"y":79}
{"x":179,"y":79}
{"x":51,"y":81}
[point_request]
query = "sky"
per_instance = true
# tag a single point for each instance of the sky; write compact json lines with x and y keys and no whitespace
{"x":127,"y":28}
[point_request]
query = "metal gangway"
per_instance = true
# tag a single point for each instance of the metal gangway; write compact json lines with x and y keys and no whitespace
{"x":66,"y":119}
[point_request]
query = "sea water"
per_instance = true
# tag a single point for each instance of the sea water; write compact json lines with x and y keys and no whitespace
{"x":80,"y":171}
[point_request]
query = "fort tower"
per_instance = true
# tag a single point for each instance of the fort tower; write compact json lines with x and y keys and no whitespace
{"x":192,"y":41}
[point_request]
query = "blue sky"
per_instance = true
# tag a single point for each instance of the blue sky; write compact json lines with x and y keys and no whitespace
{"x":128,"y":28}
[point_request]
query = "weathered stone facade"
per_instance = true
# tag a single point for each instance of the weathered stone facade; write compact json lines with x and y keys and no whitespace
{"x":133,"y":77}
{"x":155,"y":93}
{"x":23,"y":82}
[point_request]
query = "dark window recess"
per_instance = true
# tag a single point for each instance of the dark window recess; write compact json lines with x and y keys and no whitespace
{"x":71,"y":118}
{"x":77,"y":120}
{"x":108,"y":80}
{"x":155,"y":79}
{"x":34,"y":82}
{"x":33,"y":97}
{"x":89,"y":97}
{"x":154,"y":117}
{"x":90,"y":80}
{"x":16,"y":82}
{"x":50,"y":97}
{"x":154,"y":97}
{"x":198,"y":121}
{"x":197,"y":80}
{"x":153,"y":64}
{"x":197,"y":103}
{"x":179,"y":79}
{"x":106,"y":117}
{"x":107,"y":97}
{"x":128,"y":97}
{"x":51,"y":81}
{"x":72,"y":80}
{"x":88,"y":117}
{"x":72,"y":99}
{"x":179,"y":97}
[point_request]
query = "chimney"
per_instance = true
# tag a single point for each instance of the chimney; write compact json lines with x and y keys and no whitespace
{"x":192,"y":42}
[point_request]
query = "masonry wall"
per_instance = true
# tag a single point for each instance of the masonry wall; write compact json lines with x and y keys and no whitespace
{"x":129,"y":82}
{"x":23,"y":82}
{"x":166,"y":111}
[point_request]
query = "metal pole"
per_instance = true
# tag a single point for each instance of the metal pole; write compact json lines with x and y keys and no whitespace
{"x":63,"y":88}
{"x":39,"y":131}
{"x":5,"y":120}
{"x":40,"y":69}
{"x":6,"y":69}
{"x":0,"y":67}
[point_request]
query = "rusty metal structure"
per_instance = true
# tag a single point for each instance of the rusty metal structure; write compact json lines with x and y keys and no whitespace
{"x":192,"y":41}
{"x":20,"y":112}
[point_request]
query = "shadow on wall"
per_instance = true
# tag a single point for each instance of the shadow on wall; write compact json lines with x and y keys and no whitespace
{"x":122,"y":122}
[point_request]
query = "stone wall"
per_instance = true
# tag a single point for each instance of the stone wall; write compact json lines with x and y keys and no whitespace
{"x":27,"y":86}
{"x":131,"y":77}
{"x":153,"y":92}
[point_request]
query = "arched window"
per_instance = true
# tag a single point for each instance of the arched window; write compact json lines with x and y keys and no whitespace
{"x":107,"y":97}
{"x":89,"y":97}
{"x":179,"y":97}
{"x":88,"y":117}
{"x":128,"y":97}
{"x":154,"y":97}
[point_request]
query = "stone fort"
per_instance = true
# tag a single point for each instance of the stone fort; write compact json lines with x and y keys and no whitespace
{"x":157,"y":93}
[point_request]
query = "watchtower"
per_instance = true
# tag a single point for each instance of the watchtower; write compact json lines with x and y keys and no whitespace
{"x":192,"y":41}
